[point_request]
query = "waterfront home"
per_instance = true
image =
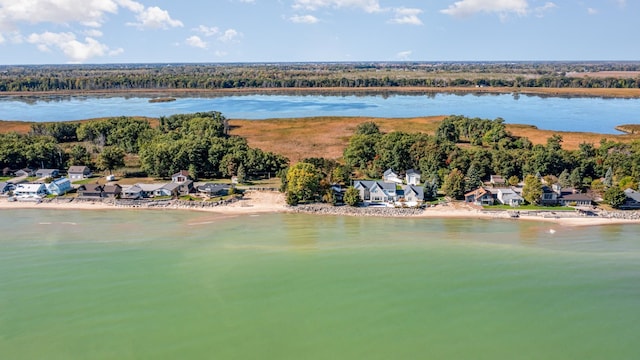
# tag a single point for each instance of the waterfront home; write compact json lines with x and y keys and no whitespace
{"x":185,"y":184}
{"x":30,"y":191}
{"x":376,"y":191}
{"x":45,"y":173}
{"x":26,"y":172}
{"x":508,"y":196}
{"x":549,"y":195}
{"x":632,"y":202}
{"x":6,"y":187}
{"x":391,"y":176}
{"x":59,"y":186}
{"x":111,"y":191}
{"x":133,"y":192}
{"x":412,"y":177}
{"x":575,"y":199}
{"x":78,"y":173}
{"x":90,"y":191}
{"x":211,"y":189}
{"x":413,"y":195}
{"x":480,"y":196}
{"x":179,"y":177}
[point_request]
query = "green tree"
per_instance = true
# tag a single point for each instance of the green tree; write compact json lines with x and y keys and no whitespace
{"x":532,"y":190}
{"x":303,"y":181}
{"x":447,"y":131}
{"x":351,"y":196}
{"x":453,"y":185}
{"x":513,"y":180}
{"x":615,"y":197}
{"x":473,"y":179}
{"x":241,"y":174}
{"x":367,"y":128}
{"x":627,"y":182}
{"x":111,"y":158}
{"x":431,"y":188}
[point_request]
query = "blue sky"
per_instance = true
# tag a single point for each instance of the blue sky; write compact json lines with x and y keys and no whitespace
{"x":164,"y":31}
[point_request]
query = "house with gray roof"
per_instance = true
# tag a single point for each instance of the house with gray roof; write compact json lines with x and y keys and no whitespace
{"x":413,"y":194}
{"x":30,"y":192}
{"x":211,"y":189}
{"x":6,"y":187}
{"x":507,"y":196}
{"x":632,"y":202}
{"x":45,"y":173}
{"x":78,"y":173}
{"x":391,"y":176}
{"x":372,"y":191}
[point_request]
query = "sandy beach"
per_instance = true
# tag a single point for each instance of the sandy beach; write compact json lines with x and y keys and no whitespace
{"x":272,"y":202}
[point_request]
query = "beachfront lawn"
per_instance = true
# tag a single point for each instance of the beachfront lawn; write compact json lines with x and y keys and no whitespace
{"x":529,"y":208}
{"x":5,"y":178}
{"x":86,"y":181}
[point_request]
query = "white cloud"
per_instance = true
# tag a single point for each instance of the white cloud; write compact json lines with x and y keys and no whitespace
{"x":207,"y":31}
{"x":304,"y":19}
{"x":404,"y":55}
{"x":196,"y":41}
{"x":131,"y":5}
{"x":155,"y":18}
{"x":540,"y":10}
{"x":73,"y":49}
{"x":2,"y":39}
{"x":406,"y":16}
{"x":465,"y":8}
{"x":369,"y":6}
{"x":86,"y":12}
{"x":229,"y":35}
{"x":592,"y":11}
{"x":93,"y":33}
{"x":116,"y":52}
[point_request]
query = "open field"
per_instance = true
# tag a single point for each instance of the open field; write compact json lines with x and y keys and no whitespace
{"x":298,"y":138}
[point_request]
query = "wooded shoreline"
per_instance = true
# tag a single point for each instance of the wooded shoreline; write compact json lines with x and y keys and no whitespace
{"x":391,"y":90}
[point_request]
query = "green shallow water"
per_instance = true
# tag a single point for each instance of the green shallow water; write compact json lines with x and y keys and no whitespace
{"x":166,"y":285}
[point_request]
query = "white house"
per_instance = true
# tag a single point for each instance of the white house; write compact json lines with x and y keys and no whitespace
{"x":30,"y":191}
{"x":44,"y":173}
{"x":509,"y":197}
{"x":412,"y":177}
{"x":78,"y":173}
{"x":391,"y":176}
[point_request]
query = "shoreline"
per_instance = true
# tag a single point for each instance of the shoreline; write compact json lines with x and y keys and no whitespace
{"x":262,"y":202}
{"x":555,"y":92}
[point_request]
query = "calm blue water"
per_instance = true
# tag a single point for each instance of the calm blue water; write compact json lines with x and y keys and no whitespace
{"x":552,"y":113}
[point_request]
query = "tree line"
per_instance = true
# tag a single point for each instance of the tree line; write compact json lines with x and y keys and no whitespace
{"x":311,"y":75}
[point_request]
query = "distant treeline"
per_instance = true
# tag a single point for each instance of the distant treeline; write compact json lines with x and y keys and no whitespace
{"x":312,"y":75}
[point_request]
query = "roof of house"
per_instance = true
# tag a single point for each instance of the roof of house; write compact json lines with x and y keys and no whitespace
{"x":497,"y":179}
{"x":112,"y":189}
{"x":479,"y":192}
{"x":368,"y":184}
{"x":211,"y":187}
{"x":29,"y":187}
{"x":413,"y":172}
{"x":133,"y":189}
{"x":418,"y":190}
{"x":632,"y":194}
{"x":170,"y":186}
{"x":47,"y":171}
{"x":60,"y":181}
{"x":90,"y":187}
{"x":4,"y":185}
{"x":78,"y":169}
{"x":150,"y":187}
{"x":181,"y":173}
{"x":576,"y":197}
{"x":389,"y":172}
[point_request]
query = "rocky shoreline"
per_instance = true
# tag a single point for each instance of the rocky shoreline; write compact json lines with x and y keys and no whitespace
{"x":326,"y":209}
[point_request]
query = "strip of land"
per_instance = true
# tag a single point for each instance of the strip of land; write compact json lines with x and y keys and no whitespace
{"x":260,"y":202}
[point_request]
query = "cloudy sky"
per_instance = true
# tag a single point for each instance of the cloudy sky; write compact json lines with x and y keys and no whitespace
{"x":163,"y":31}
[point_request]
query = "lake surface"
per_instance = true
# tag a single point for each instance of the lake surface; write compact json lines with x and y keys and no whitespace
{"x":166,"y":285}
{"x":553,"y":113}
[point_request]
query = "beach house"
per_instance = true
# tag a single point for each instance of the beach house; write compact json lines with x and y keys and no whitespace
{"x":78,"y":173}
{"x":30,"y":192}
{"x":59,"y":187}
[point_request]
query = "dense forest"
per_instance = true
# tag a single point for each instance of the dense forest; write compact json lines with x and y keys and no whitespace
{"x":196,"y":142}
{"x":314,"y":75}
